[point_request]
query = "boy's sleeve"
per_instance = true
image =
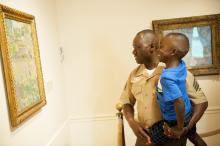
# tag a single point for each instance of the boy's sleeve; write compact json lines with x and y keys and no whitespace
{"x":170,"y":89}
{"x":127,"y":97}
{"x":194,"y":91}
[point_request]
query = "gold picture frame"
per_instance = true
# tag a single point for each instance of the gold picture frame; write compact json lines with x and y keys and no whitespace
{"x":21,"y":63}
{"x":204,"y":36}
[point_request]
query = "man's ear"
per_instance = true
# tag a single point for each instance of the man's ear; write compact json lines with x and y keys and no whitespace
{"x":152,"y":48}
{"x":174,"y":51}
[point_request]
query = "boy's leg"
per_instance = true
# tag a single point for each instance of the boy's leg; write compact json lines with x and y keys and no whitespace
{"x":196,"y":139}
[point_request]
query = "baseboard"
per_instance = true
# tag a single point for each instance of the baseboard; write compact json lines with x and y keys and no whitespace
{"x":105,"y":117}
{"x":93,"y":118}
{"x":210,"y":110}
{"x":213,"y":110}
{"x":56,"y":134}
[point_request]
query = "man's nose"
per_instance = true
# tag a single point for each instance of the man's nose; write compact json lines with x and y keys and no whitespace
{"x":134,"y":52}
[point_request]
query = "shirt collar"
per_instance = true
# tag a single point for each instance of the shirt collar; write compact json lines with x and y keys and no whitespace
{"x":142,"y":72}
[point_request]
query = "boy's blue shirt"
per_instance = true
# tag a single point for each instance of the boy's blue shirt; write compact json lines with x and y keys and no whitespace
{"x":173,"y":82}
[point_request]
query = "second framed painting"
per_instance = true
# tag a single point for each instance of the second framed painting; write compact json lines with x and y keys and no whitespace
{"x":21,"y":62}
{"x":203,"y":33}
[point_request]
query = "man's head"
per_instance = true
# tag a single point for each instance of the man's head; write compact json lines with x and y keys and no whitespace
{"x":173,"y":46}
{"x":145,"y":45}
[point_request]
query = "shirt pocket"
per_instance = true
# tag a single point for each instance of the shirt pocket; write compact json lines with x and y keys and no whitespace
{"x":137,"y":88}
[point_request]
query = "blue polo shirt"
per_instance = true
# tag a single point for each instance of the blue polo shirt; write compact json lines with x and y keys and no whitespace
{"x":173,"y":82}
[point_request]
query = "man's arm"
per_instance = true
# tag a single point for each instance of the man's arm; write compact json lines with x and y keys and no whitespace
{"x":128,"y":100}
{"x":198,"y":111}
{"x":128,"y":111}
{"x":198,"y":99}
{"x":138,"y":130}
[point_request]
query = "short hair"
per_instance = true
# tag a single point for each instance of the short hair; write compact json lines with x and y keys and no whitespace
{"x":180,"y":42}
{"x":149,"y":36}
{"x":145,"y":31}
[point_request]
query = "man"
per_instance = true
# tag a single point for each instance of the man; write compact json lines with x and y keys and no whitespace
{"x":141,"y":89}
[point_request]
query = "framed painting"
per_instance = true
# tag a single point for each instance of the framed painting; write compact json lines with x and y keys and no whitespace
{"x":203,"y":33}
{"x":21,"y":63}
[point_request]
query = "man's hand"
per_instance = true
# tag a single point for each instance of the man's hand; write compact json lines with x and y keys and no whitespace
{"x":174,"y":132}
{"x":138,"y":130}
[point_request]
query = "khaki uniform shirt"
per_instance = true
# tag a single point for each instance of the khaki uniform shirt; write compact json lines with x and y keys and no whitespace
{"x":141,"y":89}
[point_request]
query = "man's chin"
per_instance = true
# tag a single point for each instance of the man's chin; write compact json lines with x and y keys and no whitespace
{"x":138,"y":62}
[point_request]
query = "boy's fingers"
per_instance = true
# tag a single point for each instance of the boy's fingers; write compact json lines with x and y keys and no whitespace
{"x":166,"y":126}
{"x":167,"y":130}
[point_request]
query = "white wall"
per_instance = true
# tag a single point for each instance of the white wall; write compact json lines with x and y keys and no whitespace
{"x":38,"y":130}
{"x":97,"y":40}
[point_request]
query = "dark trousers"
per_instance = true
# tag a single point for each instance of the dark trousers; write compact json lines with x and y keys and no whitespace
{"x":174,"y":142}
{"x":156,"y":131}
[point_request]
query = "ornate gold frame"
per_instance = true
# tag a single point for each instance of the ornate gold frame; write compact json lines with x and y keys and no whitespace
{"x":207,"y":20}
{"x":9,"y":13}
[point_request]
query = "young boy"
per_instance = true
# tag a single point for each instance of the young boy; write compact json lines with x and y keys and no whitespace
{"x":172,"y":96}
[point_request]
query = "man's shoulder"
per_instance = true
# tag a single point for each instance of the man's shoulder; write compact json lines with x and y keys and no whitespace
{"x":190,"y":75}
{"x":137,"y":70}
{"x":190,"y":79}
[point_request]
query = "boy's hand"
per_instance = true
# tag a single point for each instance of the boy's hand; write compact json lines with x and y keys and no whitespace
{"x":174,"y":132}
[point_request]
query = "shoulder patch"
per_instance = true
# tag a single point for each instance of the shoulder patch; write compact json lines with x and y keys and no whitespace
{"x":196,"y":85}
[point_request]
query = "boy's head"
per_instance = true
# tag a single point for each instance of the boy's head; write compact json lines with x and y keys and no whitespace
{"x":173,"y":46}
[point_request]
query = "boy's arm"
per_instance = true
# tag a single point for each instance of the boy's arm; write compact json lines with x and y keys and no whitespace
{"x":180,"y":112}
{"x":171,"y":92}
{"x":198,"y":101}
{"x":177,"y":131}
